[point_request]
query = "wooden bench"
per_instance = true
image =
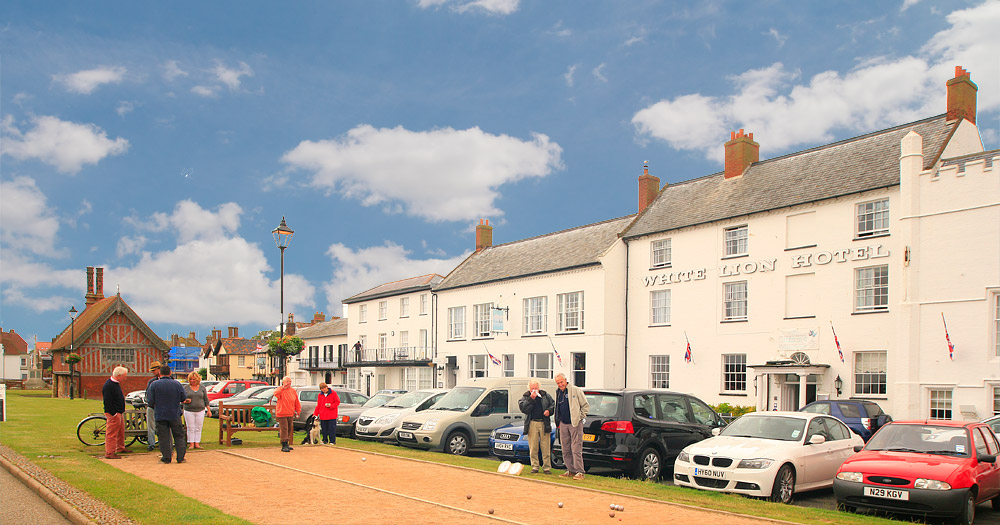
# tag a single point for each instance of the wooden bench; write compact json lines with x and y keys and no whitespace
{"x":233,"y":419}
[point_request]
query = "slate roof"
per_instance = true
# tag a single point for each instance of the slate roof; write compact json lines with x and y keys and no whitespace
{"x":850,"y":166}
{"x":412,"y":284}
{"x":324,"y":329}
{"x":563,"y":250}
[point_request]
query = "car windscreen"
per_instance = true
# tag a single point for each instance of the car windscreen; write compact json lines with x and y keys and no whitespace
{"x":924,"y":439}
{"x":779,"y":428}
{"x":407,"y":400}
{"x":216,"y":388}
{"x":603,"y":405}
{"x":459,"y":399}
{"x":263,"y":393}
{"x":377,"y":400}
{"x":244,"y":394}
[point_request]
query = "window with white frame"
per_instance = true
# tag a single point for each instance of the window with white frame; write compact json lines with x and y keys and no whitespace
{"x":404,"y":339}
{"x":362,"y":313}
{"x":383,"y":310}
{"x":996,"y":400}
{"x":659,"y":371}
{"x":404,"y":306}
{"x":422,"y":342}
{"x":736,"y":240}
{"x":423,"y":304}
{"x":535,"y":315}
{"x":241,"y":360}
{"x":873,"y":218}
{"x":659,"y":307}
{"x":118,"y":356}
{"x":481,"y":313}
{"x":579,"y":360}
{"x":418,"y":378}
{"x":735,"y":301}
{"x":456,"y":322}
{"x":570,"y":311}
{"x":871,"y":289}
{"x":540,"y":365}
{"x":410,"y":378}
{"x":996,"y":323}
{"x":940,"y":403}
{"x":477,"y":365}
{"x":425,"y":377}
{"x":870,"y":373}
{"x":352,"y":378}
{"x":383,"y":341}
{"x":363,"y":339}
{"x":508,"y":365}
{"x":659,"y":256}
{"x":734,"y":372}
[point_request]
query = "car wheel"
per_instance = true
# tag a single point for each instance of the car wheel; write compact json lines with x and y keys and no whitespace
{"x":996,"y":503}
{"x":457,"y":443}
{"x":557,"y":461}
{"x":968,"y":514}
{"x":784,"y":485}
{"x":649,"y":464}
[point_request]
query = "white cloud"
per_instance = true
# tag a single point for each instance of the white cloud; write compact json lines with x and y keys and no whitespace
{"x":65,"y":145}
{"x":29,"y":224}
{"x":560,"y":31}
{"x":358,"y":270}
{"x":38,"y":304}
{"x":778,"y":37}
{"x":908,"y":4}
{"x":129,"y":245}
{"x":783,"y":110}
{"x":85,"y":82}
{"x":598,"y":72}
{"x":192,"y":222}
{"x":493,"y":7}
{"x":569,"y":74}
{"x":206,"y":91}
{"x":172,"y":70}
{"x":231,"y":77}
{"x":441,"y":175}
{"x":124,"y":107}
{"x":632,"y":41}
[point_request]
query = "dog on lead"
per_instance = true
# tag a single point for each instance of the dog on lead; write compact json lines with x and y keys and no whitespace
{"x":312,"y":431}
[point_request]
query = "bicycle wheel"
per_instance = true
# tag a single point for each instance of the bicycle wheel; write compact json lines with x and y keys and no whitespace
{"x":91,"y":431}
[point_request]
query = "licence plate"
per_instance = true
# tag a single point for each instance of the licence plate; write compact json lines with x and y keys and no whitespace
{"x":879,"y":492}
{"x":590,"y":437}
{"x":405,"y":435}
{"x":710,"y":473}
{"x":504,"y":446}
{"x":362,"y":430}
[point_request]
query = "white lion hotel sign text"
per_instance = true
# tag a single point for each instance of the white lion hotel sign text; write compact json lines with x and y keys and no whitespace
{"x":803,"y":260}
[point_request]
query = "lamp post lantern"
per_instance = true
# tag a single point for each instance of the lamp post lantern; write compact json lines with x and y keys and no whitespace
{"x":72,"y":339}
{"x":838,"y":384}
{"x":282,"y":237}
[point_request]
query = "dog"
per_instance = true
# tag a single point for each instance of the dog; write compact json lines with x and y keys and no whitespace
{"x":312,"y":431}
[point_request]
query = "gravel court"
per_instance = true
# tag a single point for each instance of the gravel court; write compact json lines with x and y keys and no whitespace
{"x":387,"y":489}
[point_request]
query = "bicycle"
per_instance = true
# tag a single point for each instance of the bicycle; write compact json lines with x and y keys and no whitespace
{"x":91,"y":430}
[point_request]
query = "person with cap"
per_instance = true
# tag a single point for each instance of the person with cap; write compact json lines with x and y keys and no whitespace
{"x":166,"y":395}
{"x":154,"y":367}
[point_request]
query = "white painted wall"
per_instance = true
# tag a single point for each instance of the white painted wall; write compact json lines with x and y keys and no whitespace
{"x":393,"y":326}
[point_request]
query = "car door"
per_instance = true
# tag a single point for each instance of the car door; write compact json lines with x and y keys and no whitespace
{"x":818,"y":463}
{"x":670,"y":423}
{"x":987,"y":474}
{"x":704,"y":418}
{"x":493,"y":412}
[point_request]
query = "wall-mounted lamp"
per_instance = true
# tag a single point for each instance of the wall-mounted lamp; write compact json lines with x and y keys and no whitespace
{"x":838,"y":384}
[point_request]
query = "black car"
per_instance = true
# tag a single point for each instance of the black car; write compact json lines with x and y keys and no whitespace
{"x":640,"y":431}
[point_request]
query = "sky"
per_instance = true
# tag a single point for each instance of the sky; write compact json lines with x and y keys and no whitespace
{"x":164,"y":141}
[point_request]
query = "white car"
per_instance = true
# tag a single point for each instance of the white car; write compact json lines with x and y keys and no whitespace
{"x":381,"y":423}
{"x":769,"y":454}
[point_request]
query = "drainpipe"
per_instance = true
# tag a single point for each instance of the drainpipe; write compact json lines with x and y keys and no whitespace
{"x":625,"y":360}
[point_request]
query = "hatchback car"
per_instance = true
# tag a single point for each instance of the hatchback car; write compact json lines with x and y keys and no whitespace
{"x":863,"y":417}
{"x":381,"y":423}
{"x":642,"y":430}
{"x":509,"y":443}
{"x":256,"y":396}
{"x":348,"y":415}
{"x":231,"y":387}
{"x":768,"y":454}
{"x":309,"y":395}
{"x":994,"y":423}
{"x":927,"y":468}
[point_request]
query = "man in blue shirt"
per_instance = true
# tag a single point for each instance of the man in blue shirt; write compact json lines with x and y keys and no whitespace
{"x":165,"y":395}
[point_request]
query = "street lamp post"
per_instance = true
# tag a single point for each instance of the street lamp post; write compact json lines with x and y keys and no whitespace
{"x":72,"y":339}
{"x":282,"y":237}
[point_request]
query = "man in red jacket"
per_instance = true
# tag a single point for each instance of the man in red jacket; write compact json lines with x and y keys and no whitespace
{"x":288,"y":406}
{"x":326,"y":410}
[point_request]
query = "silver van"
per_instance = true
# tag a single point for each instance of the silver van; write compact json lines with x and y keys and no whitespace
{"x":463,"y":419}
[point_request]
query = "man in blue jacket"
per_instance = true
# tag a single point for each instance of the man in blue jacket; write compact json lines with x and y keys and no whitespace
{"x":165,"y":395}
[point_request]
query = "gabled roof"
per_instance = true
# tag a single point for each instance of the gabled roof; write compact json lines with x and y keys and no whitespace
{"x":324,"y":329}
{"x":404,"y":286}
{"x":238,"y":345}
{"x":563,"y":250}
{"x":842,"y":168}
{"x":93,"y":316}
{"x":13,"y":343}
{"x":183,"y":340}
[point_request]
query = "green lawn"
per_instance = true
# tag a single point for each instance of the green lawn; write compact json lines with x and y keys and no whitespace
{"x":38,"y":425}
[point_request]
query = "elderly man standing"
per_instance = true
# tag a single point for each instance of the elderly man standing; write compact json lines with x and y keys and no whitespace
{"x":537,"y":407}
{"x":288,"y":406}
{"x":571,"y":408}
{"x":154,"y":367}
{"x":166,"y":395}
{"x":114,"y":413}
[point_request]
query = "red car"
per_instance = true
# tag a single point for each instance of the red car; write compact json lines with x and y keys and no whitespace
{"x":224,"y":389}
{"x":928,"y":468}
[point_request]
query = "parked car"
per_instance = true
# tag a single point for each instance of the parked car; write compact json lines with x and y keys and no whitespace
{"x":640,"y":431}
{"x":862,"y":417}
{"x":255,"y":396}
{"x":308,"y":395}
{"x":466,"y":416}
{"x":381,"y":423}
{"x":392,"y":391}
{"x":136,"y":398}
{"x":927,"y":468}
{"x":509,"y":442}
{"x":231,"y":387}
{"x":994,"y":423}
{"x":347,"y":416}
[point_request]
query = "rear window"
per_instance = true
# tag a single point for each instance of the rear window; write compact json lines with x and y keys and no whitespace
{"x":603,"y":405}
{"x":873,"y":409}
{"x":309,"y":395}
{"x":849,"y":410}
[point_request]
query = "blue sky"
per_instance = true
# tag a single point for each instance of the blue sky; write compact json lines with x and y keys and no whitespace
{"x":165,"y":141}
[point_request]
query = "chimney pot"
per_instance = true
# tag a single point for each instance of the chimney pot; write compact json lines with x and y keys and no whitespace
{"x":90,"y":298}
{"x":649,"y":187}
{"x":484,"y":235}
{"x":741,"y":152}
{"x":99,"y":285}
{"x":962,"y":93}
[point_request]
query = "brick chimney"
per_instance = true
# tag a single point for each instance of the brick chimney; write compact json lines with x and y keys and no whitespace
{"x":649,"y":187}
{"x":962,"y":96}
{"x":484,"y":235}
{"x":99,"y":284}
{"x":191,"y":336}
{"x":290,"y":326}
{"x":90,"y":297}
{"x":741,"y":152}
{"x":234,"y":332}
{"x":175,"y":340}
{"x":318,"y":317}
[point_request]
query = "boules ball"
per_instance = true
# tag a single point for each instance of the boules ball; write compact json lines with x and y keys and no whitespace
{"x":491,"y":511}
{"x":364,"y":459}
{"x":621,"y":508}
{"x":612,"y":507}
{"x":612,"y":514}
{"x":560,"y":504}
{"x":468,"y":496}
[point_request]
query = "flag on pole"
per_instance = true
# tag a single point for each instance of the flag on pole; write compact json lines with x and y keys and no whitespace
{"x":492,"y":357}
{"x":260,"y":347}
{"x":837,"y":342}
{"x":687,"y":353}
{"x":558,"y":357}
{"x":951,"y":347}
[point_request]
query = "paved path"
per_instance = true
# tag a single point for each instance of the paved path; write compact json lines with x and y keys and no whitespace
{"x":20,"y":504}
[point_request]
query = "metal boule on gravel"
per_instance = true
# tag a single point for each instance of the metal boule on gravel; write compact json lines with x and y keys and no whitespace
{"x":468,"y":496}
{"x":491,"y":511}
{"x":612,"y":514}
{"x":612,"y":506}
{"x":560,"y":504}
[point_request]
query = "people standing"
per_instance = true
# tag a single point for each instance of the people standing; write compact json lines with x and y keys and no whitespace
{"x":537,"y":404}
{"x":166,"y":395}
{"x":571,"y":409}
{"x":195,"y":409}
{"x":114,"y":413}
{"x":288,"y":406}
{"x":154,"y":367}
{"x":357,"y":351}
{"x":326,"y":410}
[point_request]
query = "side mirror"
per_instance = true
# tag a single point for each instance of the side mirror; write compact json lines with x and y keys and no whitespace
{"x":481,"y":410}
{"x":716,"y":431}
{"x":858,"y":448}
{"x":987,"y":458}
{"x":817,"y":439}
